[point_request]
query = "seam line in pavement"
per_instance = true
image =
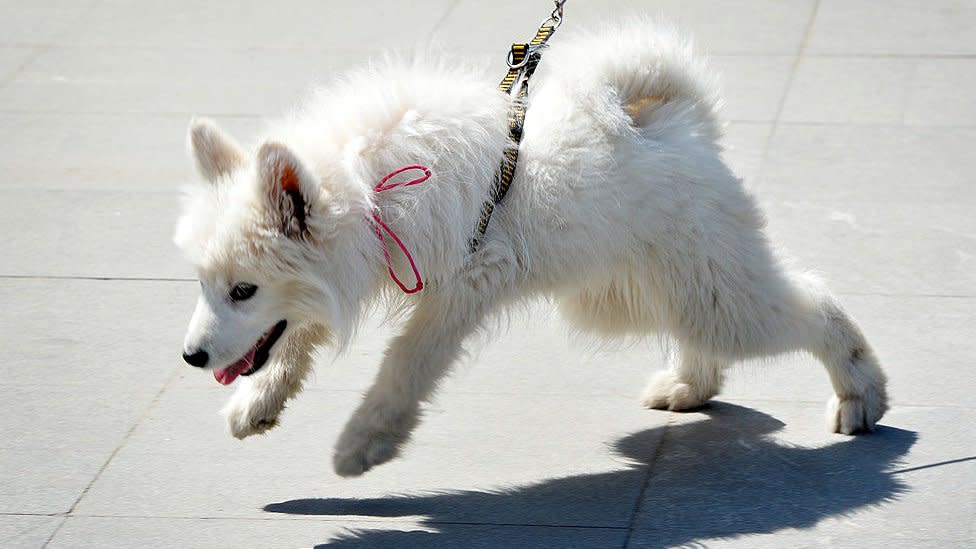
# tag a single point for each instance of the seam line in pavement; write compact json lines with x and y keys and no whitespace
{"x":344,"y":519}
{"x":326,"y":518}
{"x":23,"y":66}
{"x":447,"y":13}
{"x":639,"y":504}
{"x":788,"y":88}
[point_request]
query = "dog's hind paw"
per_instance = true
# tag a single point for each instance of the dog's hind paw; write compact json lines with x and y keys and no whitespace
{"x":356,"y":454}
{"x":667,"y":392}
{"x":849,"y":416}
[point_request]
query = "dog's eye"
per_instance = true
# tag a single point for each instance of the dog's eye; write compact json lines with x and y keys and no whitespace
{"x":243,"y":291}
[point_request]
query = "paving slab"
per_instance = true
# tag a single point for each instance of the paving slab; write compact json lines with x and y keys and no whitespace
{"x":292,"y":25}
{"x":84,"y":151}
{"x":53,"y":418}
{"x":41,"y":22}
{"x":39,"y":481}
{"x":854,"y":90}
{"x":88,"y":346}
{"x":899,"y":27}
{"x":938,"y":91}
{"x":185,"y":81}
{"x":107,"y":234}
{"x":13,"y":58}
{"x":882,"y":90}
{"x":889,"y":248}
{"x":839,"y":164}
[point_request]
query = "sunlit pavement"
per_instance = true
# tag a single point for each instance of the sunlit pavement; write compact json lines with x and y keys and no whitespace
{"x":852,"y":120}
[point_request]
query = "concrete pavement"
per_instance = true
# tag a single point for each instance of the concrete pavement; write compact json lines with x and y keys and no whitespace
{"x":853,"y":121}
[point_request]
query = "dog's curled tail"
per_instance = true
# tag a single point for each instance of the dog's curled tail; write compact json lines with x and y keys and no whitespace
{"x":647,"y":65}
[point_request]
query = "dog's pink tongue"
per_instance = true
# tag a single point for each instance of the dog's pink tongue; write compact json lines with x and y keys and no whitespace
{"x":226,"y":376}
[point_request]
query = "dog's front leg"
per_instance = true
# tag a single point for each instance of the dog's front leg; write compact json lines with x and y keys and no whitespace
{"x":419,"y":357}
{"x":259,"y":400}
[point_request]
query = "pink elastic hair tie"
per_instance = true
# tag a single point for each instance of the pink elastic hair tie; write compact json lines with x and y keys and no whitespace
{"x":379,"y":226}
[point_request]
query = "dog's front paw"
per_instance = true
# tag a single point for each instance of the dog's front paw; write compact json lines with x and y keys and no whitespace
{"x":667,"y":392}
{"x":249,"y":414}
{"x":357,"y":453}
{"x":851,"y":415}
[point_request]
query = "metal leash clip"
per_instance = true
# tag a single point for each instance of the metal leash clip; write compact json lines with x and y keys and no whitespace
{"x":546,"y":29}
{"x":556,"y":17}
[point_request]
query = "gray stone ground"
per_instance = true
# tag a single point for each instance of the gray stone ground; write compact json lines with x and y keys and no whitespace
{"x":854,"y":121}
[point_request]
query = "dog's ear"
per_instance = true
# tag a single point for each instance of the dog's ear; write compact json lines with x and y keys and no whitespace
{"x":288,"y":187}
{"x":216,"y":153}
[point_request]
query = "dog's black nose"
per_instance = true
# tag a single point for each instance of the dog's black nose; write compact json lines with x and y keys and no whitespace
{"x":198,"y":359}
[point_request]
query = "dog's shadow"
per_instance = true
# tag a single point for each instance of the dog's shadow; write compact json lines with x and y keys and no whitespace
{"x":717,"y":478}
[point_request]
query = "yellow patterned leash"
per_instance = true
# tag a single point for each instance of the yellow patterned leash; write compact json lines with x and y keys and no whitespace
{"x":523,"y":58}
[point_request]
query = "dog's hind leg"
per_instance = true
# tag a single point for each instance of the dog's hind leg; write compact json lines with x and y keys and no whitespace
{"x":860,"y":397}
{"x":810,"y":319}
{"x":746,"y":309}
{"x":419,"y":357}
{"x":261,"y":397}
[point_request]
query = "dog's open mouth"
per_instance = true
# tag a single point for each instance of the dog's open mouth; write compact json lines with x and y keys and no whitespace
{"x":254,"y":359}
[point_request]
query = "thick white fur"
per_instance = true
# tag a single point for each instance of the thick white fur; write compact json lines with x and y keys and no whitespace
{"x":629,"y":219}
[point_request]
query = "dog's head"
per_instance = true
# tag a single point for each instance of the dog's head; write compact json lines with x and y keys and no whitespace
{"x":263,"y":234}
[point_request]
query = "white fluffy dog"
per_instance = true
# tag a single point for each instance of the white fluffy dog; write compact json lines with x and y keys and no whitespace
{"x":622,"y":211}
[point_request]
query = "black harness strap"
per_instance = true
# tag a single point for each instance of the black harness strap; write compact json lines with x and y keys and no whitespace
{"x":522,"y":61}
